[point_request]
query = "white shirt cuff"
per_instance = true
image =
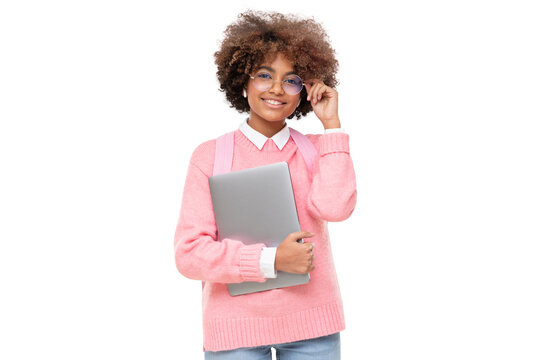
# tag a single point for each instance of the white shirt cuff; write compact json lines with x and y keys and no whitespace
{"x":268,"y":258}
{"x":326,"y":131}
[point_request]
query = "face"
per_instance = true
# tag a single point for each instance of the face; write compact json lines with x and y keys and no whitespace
{"x":263,"y":111}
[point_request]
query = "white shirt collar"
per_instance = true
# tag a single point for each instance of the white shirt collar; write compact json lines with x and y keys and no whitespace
{"x":280,"y":139}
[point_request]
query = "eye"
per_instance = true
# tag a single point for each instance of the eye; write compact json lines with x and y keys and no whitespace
{"x":291,"y":81}
{"x":294,"y":80}
{"x":264,"y":76}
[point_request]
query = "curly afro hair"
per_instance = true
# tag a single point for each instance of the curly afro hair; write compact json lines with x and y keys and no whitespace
{"x":257,"y":37}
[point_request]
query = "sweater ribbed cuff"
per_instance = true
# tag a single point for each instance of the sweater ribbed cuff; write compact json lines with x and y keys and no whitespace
{"x":334,"y":142}
{"x":250,"y":269}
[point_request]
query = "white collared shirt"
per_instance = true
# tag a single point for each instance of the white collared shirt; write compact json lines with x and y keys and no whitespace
{"x":268,"y":254}
{"x":280,"y":138}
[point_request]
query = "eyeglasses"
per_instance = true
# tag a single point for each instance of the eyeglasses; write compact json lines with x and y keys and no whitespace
{"x":292,"y":84}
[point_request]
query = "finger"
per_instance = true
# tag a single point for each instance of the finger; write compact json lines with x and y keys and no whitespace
{"x":310,"y":92}
{"x":314,"y":93}
{"x":323,"y":91}
{"x":309,"y":87}
{"x":320,"y":92}
{"x":299,"y":237}
{"x":308,"y":246}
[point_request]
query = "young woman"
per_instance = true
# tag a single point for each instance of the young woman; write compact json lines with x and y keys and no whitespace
{"x":274,"y":67}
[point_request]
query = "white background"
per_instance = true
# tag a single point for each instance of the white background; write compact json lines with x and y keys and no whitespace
{"x":102,"y":103}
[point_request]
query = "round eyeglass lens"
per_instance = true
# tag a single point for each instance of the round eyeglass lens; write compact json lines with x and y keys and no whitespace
{"x":292,"y":84}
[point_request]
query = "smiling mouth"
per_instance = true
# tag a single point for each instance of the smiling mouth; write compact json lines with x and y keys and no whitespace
{"x":273,"y":103}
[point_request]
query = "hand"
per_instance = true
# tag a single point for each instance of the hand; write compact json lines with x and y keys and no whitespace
{"x":294,"y":257}
{"x":324,"y":101}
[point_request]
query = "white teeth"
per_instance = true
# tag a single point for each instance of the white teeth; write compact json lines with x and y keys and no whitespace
{"x":273,"y":102}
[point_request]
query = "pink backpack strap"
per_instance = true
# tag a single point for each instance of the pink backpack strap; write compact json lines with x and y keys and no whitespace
{"x":224,"y":153}
{"x":223,"y":157}
{"x":306,"y":147}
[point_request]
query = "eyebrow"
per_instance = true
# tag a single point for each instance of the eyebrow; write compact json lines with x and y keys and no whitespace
{"x":272,"y":70}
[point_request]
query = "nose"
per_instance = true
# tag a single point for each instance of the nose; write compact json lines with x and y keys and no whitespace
{"x":276,"y":87}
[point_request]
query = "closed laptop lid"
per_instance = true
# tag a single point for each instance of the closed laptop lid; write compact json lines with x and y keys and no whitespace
{"x":257,"y":205}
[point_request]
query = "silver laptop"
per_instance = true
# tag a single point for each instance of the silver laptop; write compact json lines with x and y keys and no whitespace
{"x":257,"y":205}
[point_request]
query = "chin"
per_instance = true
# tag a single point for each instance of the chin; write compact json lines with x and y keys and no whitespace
{"x":275,"y":116}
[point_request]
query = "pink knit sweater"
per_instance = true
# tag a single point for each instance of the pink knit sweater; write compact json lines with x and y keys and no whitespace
{"x":280,"y":315}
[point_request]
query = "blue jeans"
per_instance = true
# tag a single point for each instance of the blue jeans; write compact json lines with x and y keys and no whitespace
{"x":321,"y":348}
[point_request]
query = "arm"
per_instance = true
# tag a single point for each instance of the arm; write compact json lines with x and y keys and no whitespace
{"x":332,"y":196}
{"x":198,"y":254}
{"x":268,"y":256}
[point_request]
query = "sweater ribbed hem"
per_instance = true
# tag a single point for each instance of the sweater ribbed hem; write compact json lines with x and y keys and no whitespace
{"x":250,"y":268}
{"x":334,"y":142}
{"x":228,"y":334}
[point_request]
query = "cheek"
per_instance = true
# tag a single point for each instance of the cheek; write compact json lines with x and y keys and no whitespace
{"x":292,"y":104}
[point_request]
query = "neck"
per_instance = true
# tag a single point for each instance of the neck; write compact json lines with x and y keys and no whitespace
{"x":265,"y":127}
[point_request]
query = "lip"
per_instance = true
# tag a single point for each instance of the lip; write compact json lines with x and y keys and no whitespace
{"x":272,"y":105}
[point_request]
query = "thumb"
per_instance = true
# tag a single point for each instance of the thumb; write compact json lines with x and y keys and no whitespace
{"x":300,"y":235}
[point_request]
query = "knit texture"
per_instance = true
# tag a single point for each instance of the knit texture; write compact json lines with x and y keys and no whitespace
{"x":280,"y":315}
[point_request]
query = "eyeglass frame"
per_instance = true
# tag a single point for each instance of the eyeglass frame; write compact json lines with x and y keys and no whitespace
{"x":274,"y":80}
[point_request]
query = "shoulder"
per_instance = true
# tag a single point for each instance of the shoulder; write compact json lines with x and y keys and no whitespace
{"x":203,"y":156}
{"x":314,"y":139}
